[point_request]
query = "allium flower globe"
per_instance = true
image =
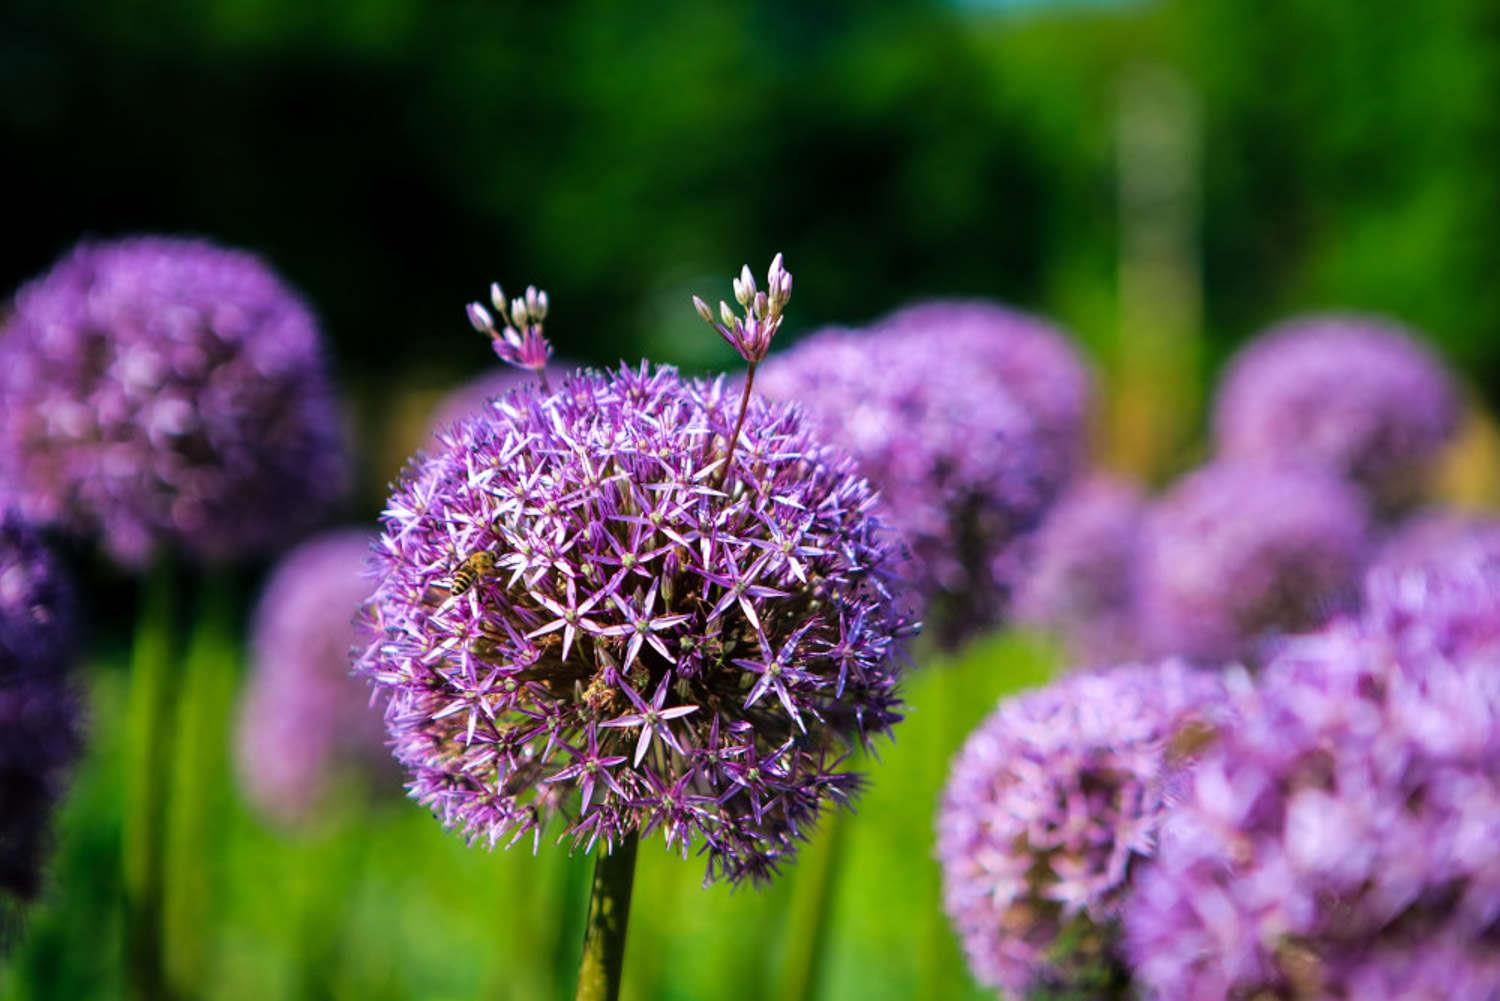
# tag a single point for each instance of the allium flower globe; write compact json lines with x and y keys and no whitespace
{"x":1435,"y":587}
{"x":1081,"y":571}
{"x":40,"y":724}
{"x":1358,"y":395}
{"x":304,"y":721}
{"x":574,"y":621}
{"x":164,"y":392}
{"x":1050,"y":808}
{"x":1238,"y":553}
{"x":474,"y":396}
{"x":966,"y":464}
{"x":1032,"y":358}
{"x":1341,"y":841}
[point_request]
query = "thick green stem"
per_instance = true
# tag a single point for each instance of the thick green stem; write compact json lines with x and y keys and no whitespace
{"x":807,"y":931}
{"x":151,"y":715}
{"x":609,"y":916}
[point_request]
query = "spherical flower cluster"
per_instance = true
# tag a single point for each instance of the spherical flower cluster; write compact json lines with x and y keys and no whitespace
{"x":1341,"y":841}
{"x":1081,"y":570}
{"x":1029,"y":356}
{"x":1435,"y":586}
{"x":1051,"y":806}
{"x":40,"y":734}
{"x":1237,"y":553}
{"x":966,"y":466}
{"x":162,"y":392}
{"x":303,"y":719}
{"x":574,"y":619}
{"x":1354,"y":394}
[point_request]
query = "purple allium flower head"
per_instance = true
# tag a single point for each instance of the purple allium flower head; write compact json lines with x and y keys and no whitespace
{"x":751,"y":335}
{"x":962,"y":468}
{"x":40,"y":726}
{"x":1238,"y":553}
{"x":1081,"y":570}
{"x":303,"y":719}
{"x":1355,"y":394}
{"x":1341,"y":840}
{"x":159,"y":392}
{"x":572,"y":622}
{"x":1029,"y":356}
{"x":519,"y":340}
{"x":1435,"y":586}
{"x":1050,"y":807}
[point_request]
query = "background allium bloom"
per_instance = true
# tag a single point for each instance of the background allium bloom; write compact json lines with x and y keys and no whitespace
{"x":1354,"y":394}
{"x":167,"y":392}
{"x":1435,"y":586}
{"x":1081,"y":569}
{"x":471,"y":397}
{"x":303,"y":719}
{"x":964,"y":466}
{"x":1236,"y":553}
{"x":643,"y":652}
{"x":40,"y":733}
{"x":1032,"y":359}
{"x":1342,"y":840}
{"x":1051,"y":805}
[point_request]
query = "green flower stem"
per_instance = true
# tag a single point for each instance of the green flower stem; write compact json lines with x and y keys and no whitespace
{"x":608,"y":919}
{"x":151,"y":715}
{"x":807,"y":932}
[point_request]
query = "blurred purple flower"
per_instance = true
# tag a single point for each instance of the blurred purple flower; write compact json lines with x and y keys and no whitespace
{"x":1032,"y":358}
{"x":304,"y":720}
{"x":966,"y":464}
{"x":1081,"y":570}
{"x":1236,"y":554}
{"x":571,"y":621}
{"x":40,"y":714}
{"x":1342,"y":840}
{"x":1358,"y":395}
{"x":160,"y":392}
{"x":473,"y":397}
{"x":1435,"y":586}
{"x":1052,"y":805}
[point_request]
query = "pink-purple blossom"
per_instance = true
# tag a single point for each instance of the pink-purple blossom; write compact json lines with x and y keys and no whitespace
{"x":166,"y":393}
{"x":1237,"y":554}
{"x":967,"y":452}
{"x":1081,"y":568}
{"x":1340,"y":841}
{"x":1052,"y":806}
{"x":640,"y":649}
{"x":1358,"y":395}
{"x":304,"y":721}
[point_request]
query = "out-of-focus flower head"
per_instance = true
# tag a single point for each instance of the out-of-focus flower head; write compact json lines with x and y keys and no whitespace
{"x":304,"y":721}
{"x":1052,"y":805}
{"x":1033,"y":359}
{"x":751,"y":334}
{"x":161,"y":392}
{"x":573,"y":622}
{"x":1081,"y":570}
{"x":1435,"y":586}
{"x":40,"y":715}
{"x":1354,"y":394}
{"x":474,"y":396}
{"x":1341,"y":840}
{"x":1236,"y":554}
{"x":965,"y":464}
{"x":518,"y":340}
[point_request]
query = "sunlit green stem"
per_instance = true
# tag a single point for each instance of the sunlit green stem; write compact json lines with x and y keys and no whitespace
{"x":151,"y":713}
{"x":609,"y":916}
{"x":807,"y":933}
